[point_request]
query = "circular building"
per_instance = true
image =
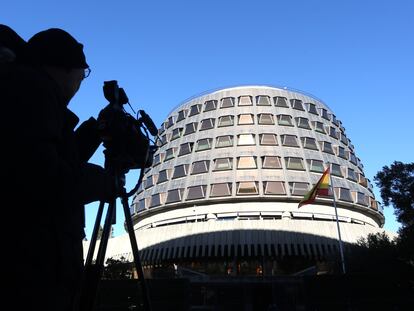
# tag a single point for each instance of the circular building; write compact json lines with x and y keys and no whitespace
{"x":232,"y":165}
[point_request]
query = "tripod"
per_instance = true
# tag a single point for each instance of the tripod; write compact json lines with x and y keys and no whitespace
{"x":93,"y":272}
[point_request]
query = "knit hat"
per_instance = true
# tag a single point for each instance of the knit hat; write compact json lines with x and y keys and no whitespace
{"x":56,"y":47}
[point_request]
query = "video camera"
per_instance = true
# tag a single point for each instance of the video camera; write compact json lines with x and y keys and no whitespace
{"x":126,"y":139}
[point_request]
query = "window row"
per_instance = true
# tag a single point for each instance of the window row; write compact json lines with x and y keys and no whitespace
{"x":247,"y":188}
{"x":253,"y":162}
{"x":248,"y":119}
{"x":261,"y":100}
{"x":264,"y":139}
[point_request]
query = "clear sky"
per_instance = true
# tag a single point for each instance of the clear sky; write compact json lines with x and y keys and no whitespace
{"x":355,"y":55}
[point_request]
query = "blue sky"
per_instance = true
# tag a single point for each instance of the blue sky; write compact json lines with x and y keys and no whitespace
{"x":357,"y":56}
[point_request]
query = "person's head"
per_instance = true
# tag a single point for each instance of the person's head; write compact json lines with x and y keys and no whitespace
{"x":62,"y":58}
{"x":11,"y":45}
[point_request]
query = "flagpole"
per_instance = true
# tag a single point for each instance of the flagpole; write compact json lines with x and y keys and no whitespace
{"x":341,"y":249}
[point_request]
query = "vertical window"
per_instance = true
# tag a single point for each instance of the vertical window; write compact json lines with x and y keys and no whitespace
{"x":335,"y":120}
{"x":344,"y":139}
{"x":296,"y":104}
{"x":190,"y":128}
{"x":163,"y":176}
{"x":312,"y":108}
{"x":336,"y":170}
{"x":285,"y":120}
{"x":245,"y":140}
{"x":196,"y":192}
{"x":326,"y":147}
{"x":200,"y":167}
{"x":332,"y":132}
{"x":245,"y":119}
{"x":343,"y":194}
{"x":298,"y":188}
{"x":360,"y":198}
{"x":246,"y":163}
{"x":274,"y":187}
{"x":163,"y":140}
{"x":362,"y":180}
{"x":226,"y":121}
{"x":360,"y":165}
{"x":309,"y":143}
{"x":185,"y":148}
{"x":176,"y":133}
{"x":180,"y":171}
{"x":303,"y":123}
{"x":149,"y":182}
{"x":174,"y":195}
{"x":157,"y":159}
{"x":266,"y":119}
{"x":227,"y":102}
{"x":141,"y":205}
{"x":271,"y":162}
{"x":207,"y":124}
{"x":220,"y":190}
{"x":170,"y":153}
{"x":195,"y":109}
{"x":157,"y":199}
{"x":373,"y":204}
{"x":263,"y":100}
{"x":223,"y":164}
{"x":247,"y":188}
{"x":268,"y":139}
{"x":351,"y":175}
{"x":353,"y":158}
{"x":181,"y":115}
{"x":280,"y":101}
{"x":245,"y":101}
{"x":325,"y":114}
{"x":315,"y":165}
{"x":161,"y":129}
{"x":210,"y":105}
{"x":224,"y":141}
{"x":289,"y":140}
{"x":340,"y":152}
{"x":294,"y":163}
{"x":203,"y":144}
{"x":170,"y":122}
{"x":318,"y":127}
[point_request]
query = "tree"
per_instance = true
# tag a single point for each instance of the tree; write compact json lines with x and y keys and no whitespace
{"x":118,"y":269}
{"x":396,"y":184}
{"x":374,"y":253}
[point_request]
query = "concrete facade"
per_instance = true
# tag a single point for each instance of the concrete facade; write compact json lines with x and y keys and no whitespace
{"x":232,"y":166}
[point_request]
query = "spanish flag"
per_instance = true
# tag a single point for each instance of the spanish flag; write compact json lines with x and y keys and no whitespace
{"x":320,"y":188}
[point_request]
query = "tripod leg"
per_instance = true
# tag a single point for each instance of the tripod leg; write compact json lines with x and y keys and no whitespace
{"x":105,"y":234}
{"x":94,"y":236}
{"x":93,"y":273}
{"x":135,"y":252}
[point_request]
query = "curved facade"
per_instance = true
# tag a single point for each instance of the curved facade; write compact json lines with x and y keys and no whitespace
{"x":242,"y":158}
{"x":232,"y":166}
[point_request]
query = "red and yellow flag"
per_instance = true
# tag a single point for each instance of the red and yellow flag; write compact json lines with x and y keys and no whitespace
{"x":320,"y":188}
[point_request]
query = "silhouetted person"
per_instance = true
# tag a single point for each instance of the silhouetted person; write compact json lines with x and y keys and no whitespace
{"x":11,"y":45}
{"x":44,"y":162}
